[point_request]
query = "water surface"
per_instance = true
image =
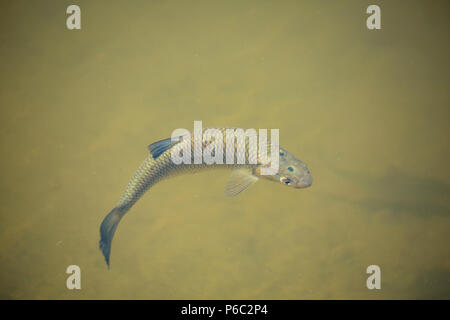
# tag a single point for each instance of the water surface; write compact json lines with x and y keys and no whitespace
{"x":368,"y":111}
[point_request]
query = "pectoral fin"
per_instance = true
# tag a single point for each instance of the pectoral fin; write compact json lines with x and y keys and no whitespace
{"x":240,"y":180}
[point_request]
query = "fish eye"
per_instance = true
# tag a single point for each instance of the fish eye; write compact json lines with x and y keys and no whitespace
{"x":290,"y":169}
{"x":281,"y":153}
{"x":287,"y":181}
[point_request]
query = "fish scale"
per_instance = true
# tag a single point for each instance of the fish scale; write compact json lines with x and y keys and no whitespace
{"x":159,"y":165}
{"x":151,"y":170}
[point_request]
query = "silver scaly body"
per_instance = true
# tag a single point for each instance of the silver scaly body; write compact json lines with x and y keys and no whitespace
{"x":159,"y":165}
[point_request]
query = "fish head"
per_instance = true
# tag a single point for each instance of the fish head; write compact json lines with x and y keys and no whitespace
{"x":292,"y":172}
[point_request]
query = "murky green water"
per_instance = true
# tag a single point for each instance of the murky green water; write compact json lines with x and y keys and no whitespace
{"x":368,"y":111}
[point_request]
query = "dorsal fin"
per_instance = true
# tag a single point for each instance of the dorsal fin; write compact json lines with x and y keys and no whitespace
{"x":159,"y":147}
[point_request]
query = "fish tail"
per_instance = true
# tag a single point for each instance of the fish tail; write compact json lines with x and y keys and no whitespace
{"x":107,"y":229}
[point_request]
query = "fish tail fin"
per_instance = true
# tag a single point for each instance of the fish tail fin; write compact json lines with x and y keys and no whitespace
{"x":107,"y":229}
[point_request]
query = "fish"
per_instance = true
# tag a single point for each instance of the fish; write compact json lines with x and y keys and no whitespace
{"x":159,"y":165}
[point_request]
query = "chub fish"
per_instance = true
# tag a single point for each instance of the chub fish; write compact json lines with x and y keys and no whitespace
{"x":159,"y":165}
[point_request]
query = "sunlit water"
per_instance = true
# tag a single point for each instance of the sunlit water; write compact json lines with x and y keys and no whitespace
{"x":368,"y":111}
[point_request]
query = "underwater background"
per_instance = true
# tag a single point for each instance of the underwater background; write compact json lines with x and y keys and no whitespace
{"x":367,"y":110}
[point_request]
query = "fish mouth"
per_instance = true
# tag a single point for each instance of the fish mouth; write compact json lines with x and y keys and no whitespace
{"x":305,"y":181}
